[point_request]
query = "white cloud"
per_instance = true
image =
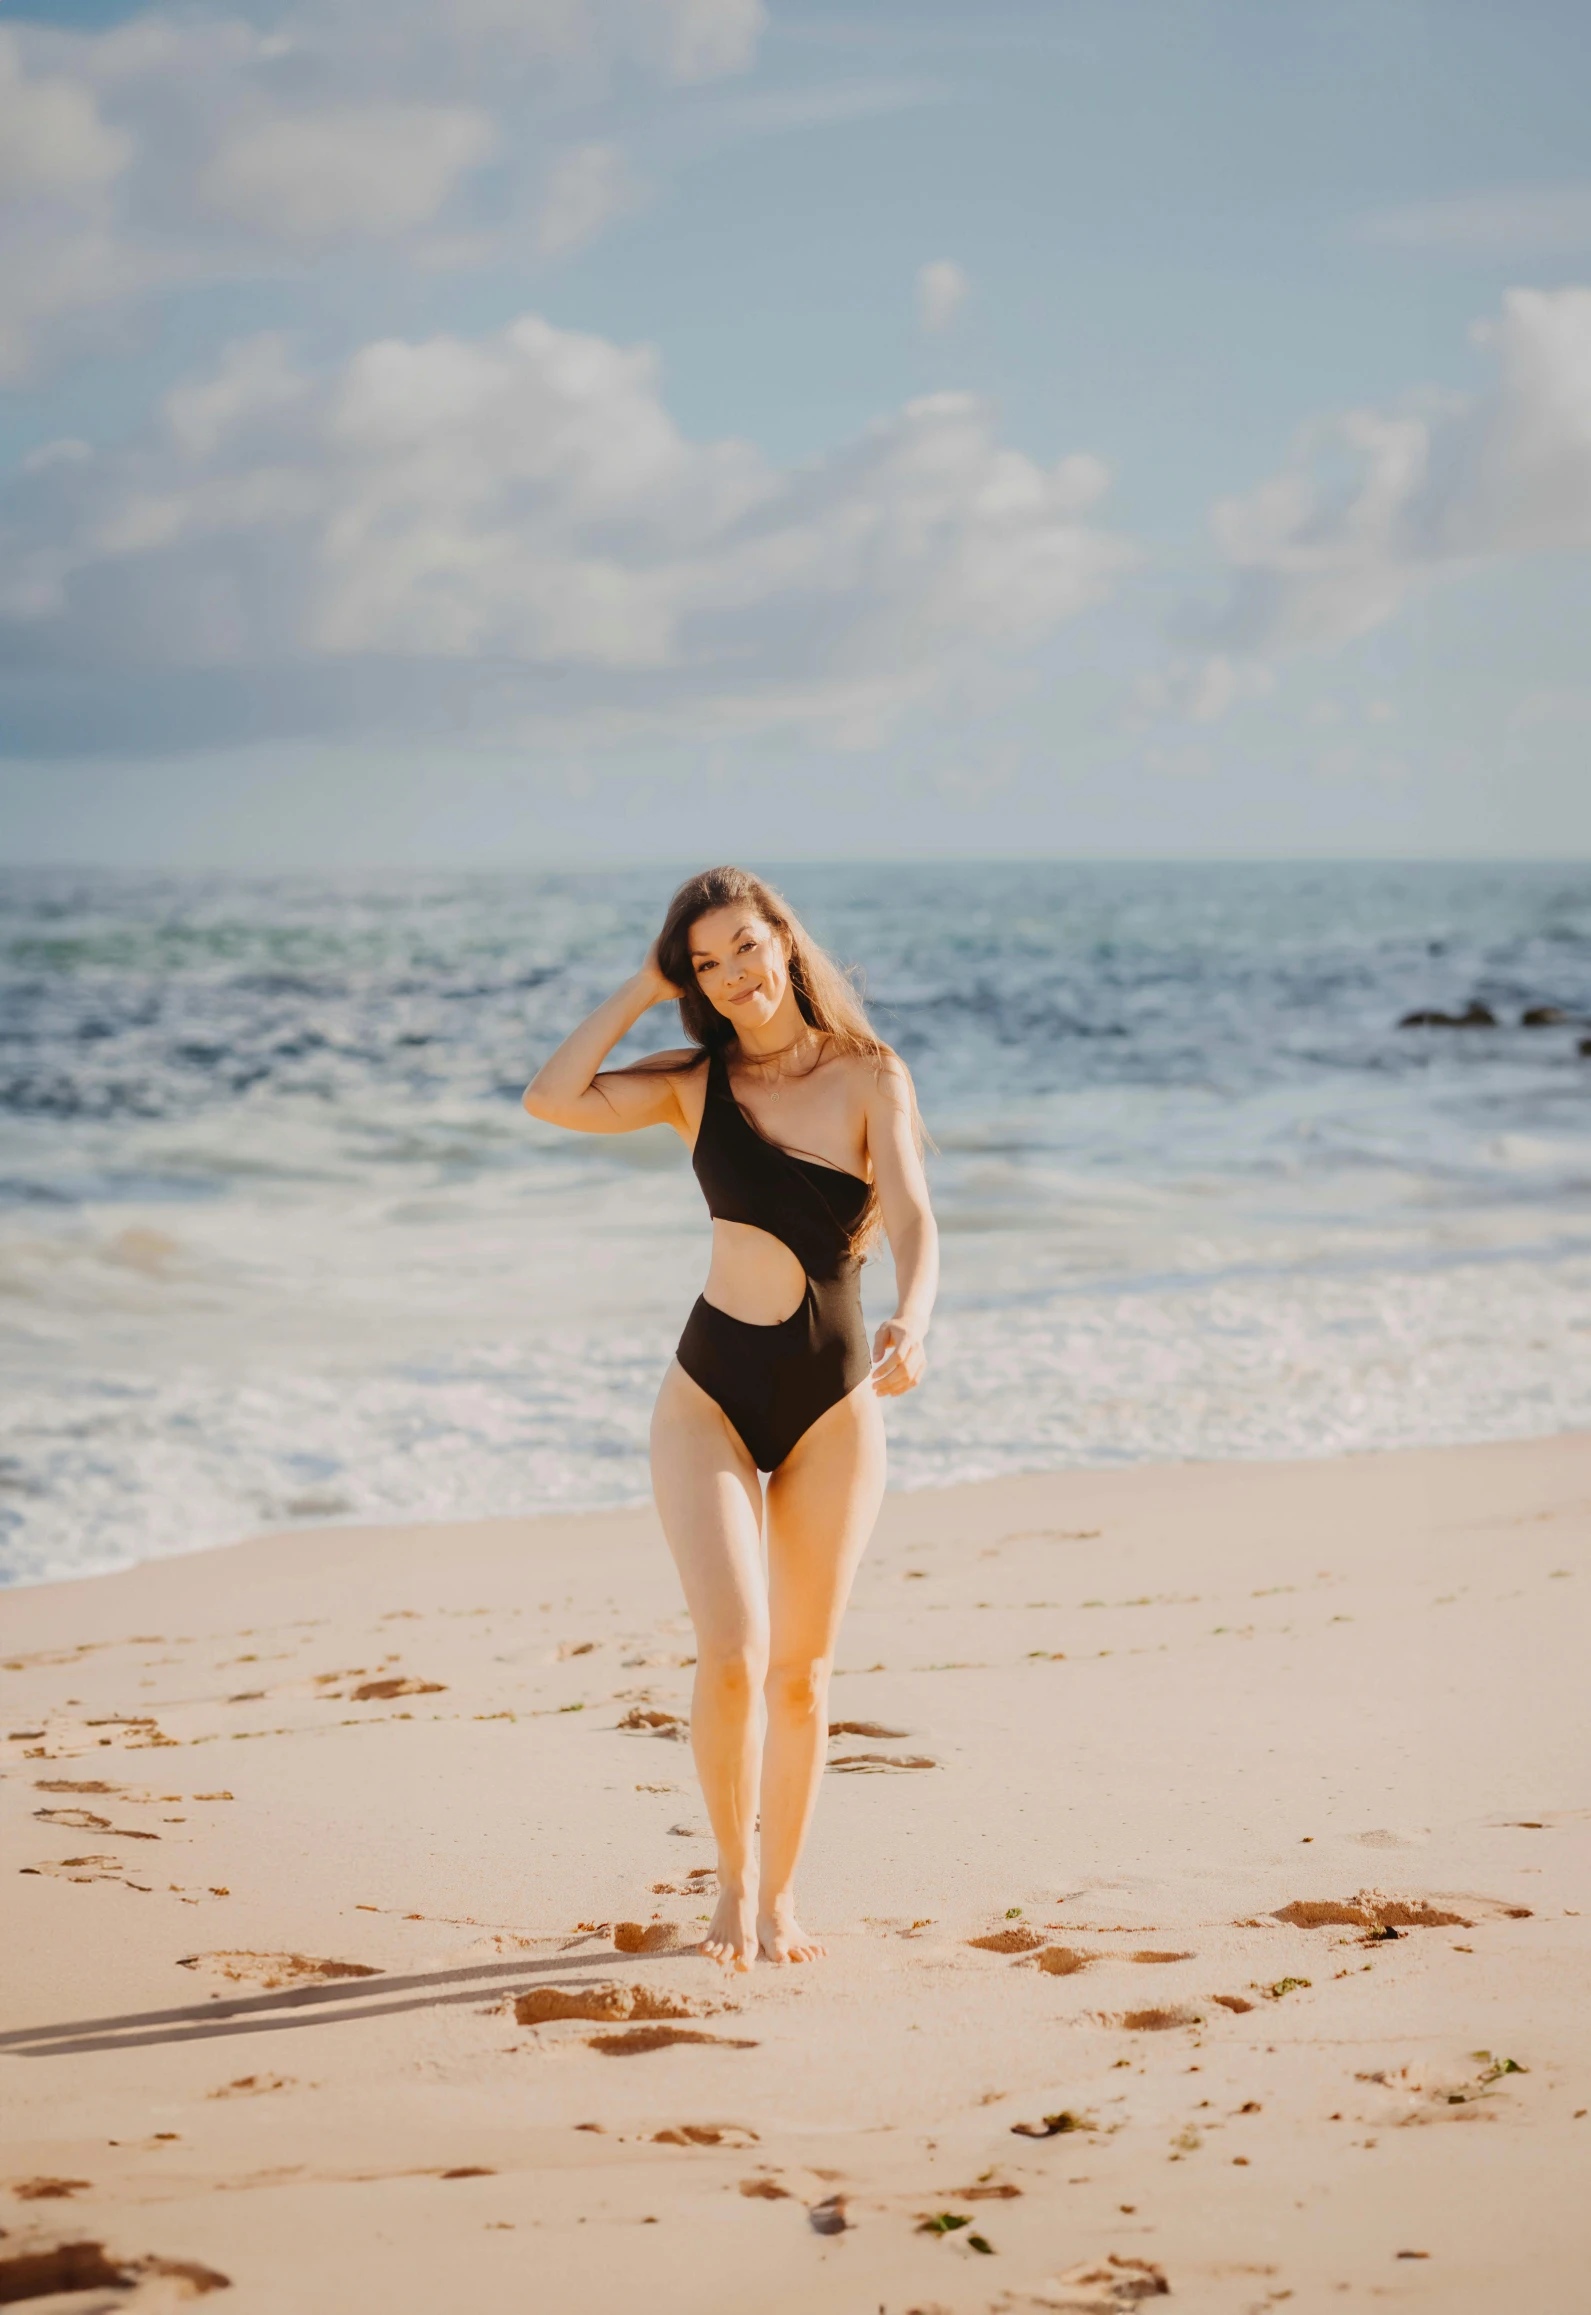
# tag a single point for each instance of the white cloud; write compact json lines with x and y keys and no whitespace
{"x":1504,"y":221}
{"x":514,"y":529}
{"x":62,"y":282}
{"x":828,"y":106}
{"x":345,"y":170}
{"x":586,"y":188}
{"x":1377,"y":504}
{"x":581,"y":44}
{"x":52,"y":139}
{"x":178,"y":148}
{"x":695,"y":39}
{"x":1201,"y":690}
{"x":1564,"y":707}
{"x":942,"y":289}
{"x":59,"y":162}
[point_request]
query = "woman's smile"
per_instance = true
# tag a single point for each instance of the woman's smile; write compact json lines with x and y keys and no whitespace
{"x":744,"y":973}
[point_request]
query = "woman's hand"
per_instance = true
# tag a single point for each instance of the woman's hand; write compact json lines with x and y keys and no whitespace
{"x":660,"y":990}
{"x":571,"y":1089}
{"x":899,"y":1360}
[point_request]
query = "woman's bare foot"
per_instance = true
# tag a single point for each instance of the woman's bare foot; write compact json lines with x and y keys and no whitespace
{"x":731,"y":1938}
{"x":782,"y":1938}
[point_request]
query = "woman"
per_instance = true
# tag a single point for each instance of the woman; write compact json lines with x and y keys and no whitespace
{"x":804,"y":1136}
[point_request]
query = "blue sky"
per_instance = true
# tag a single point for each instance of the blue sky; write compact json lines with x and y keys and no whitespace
{"x":549,"y":427}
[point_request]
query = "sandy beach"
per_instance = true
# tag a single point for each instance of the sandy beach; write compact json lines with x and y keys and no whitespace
{"x":1205,"y":1866}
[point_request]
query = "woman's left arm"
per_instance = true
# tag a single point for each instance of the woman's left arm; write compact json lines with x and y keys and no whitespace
{"x":898,"y":1355}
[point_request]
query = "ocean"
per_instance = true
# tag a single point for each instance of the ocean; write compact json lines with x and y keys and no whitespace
{"x":279,"y":1246}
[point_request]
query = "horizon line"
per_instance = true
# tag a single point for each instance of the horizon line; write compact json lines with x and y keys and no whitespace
{"x":595,"y":864}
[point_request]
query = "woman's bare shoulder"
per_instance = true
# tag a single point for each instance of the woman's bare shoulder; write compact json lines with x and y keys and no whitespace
{"x":870,"y":1070}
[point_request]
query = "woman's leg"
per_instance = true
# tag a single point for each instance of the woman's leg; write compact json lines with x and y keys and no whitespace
{"x":822,"y":1502}
{"x":710,"y":1502}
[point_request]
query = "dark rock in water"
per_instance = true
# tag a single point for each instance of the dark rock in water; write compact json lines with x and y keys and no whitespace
{"x":1543,"y":1017}
{"x":1474,"y":1016}
{"x":1585,"y":1047}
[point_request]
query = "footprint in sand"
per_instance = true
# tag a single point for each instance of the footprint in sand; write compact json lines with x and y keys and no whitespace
{"x":1444,"y":2097}
{"x":864,"y":1728}
{"x":865,"y":1763}
{"x":639,"y":2039}
{"x":1157,"y":2021}
{"x":1008,"y":1941}
{"x":132,"y":1732}
{"x":1054,"y":2125}
{"x":706,"y":2134}
{"x":49,"y":2189}
{"x":85,"y":1869}
{"x":1368,"y":1909}
{"x":647,"y":1720}
{"x":85,"y":1821}
{"x":253,"y":2086}
{"x":1149,"y":1953}
{"x":70,"y":2267}
{"x":271,"y":1970}
{"x":1108,"y":2288}
{"x":604,"y":2005}
{"x":378,"y":1691}
{"x":650,"y":1937}
{"x":1059,"y":1961}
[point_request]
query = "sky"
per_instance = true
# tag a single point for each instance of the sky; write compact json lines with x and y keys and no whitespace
{"x":557,"y":430}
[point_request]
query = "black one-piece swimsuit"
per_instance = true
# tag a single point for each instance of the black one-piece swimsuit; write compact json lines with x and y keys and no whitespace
{"x":773,"y":1382}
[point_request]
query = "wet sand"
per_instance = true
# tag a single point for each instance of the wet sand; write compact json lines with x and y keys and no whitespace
{"x":1236,"y":1819}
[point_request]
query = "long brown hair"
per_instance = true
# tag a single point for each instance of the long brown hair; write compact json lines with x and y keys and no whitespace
{"x":825,"y":993}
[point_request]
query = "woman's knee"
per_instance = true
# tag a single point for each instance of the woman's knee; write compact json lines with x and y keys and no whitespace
{"x":730,"y":1677}
{"x":798,"y":1689}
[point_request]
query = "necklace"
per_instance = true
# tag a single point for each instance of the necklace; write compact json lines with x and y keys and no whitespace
{"x":761,"y":1060}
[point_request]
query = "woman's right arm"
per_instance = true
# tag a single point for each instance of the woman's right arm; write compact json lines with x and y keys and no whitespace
{"x":566,"y":1089}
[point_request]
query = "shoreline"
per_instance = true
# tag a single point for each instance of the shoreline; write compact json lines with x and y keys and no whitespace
{"x":1134,"y":1718}
{"x":360,"y":1524}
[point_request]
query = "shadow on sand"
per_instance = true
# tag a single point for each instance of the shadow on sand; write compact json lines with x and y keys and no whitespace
{"x":306,"y":2005}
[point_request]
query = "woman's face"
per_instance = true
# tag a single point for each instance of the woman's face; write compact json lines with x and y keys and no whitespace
{"x":740,"y":965}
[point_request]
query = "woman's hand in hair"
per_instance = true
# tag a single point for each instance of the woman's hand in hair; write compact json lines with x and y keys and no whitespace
{"x":572,"y":1089}
{"x":663,"y":990}
{"x":899,"y":1359}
